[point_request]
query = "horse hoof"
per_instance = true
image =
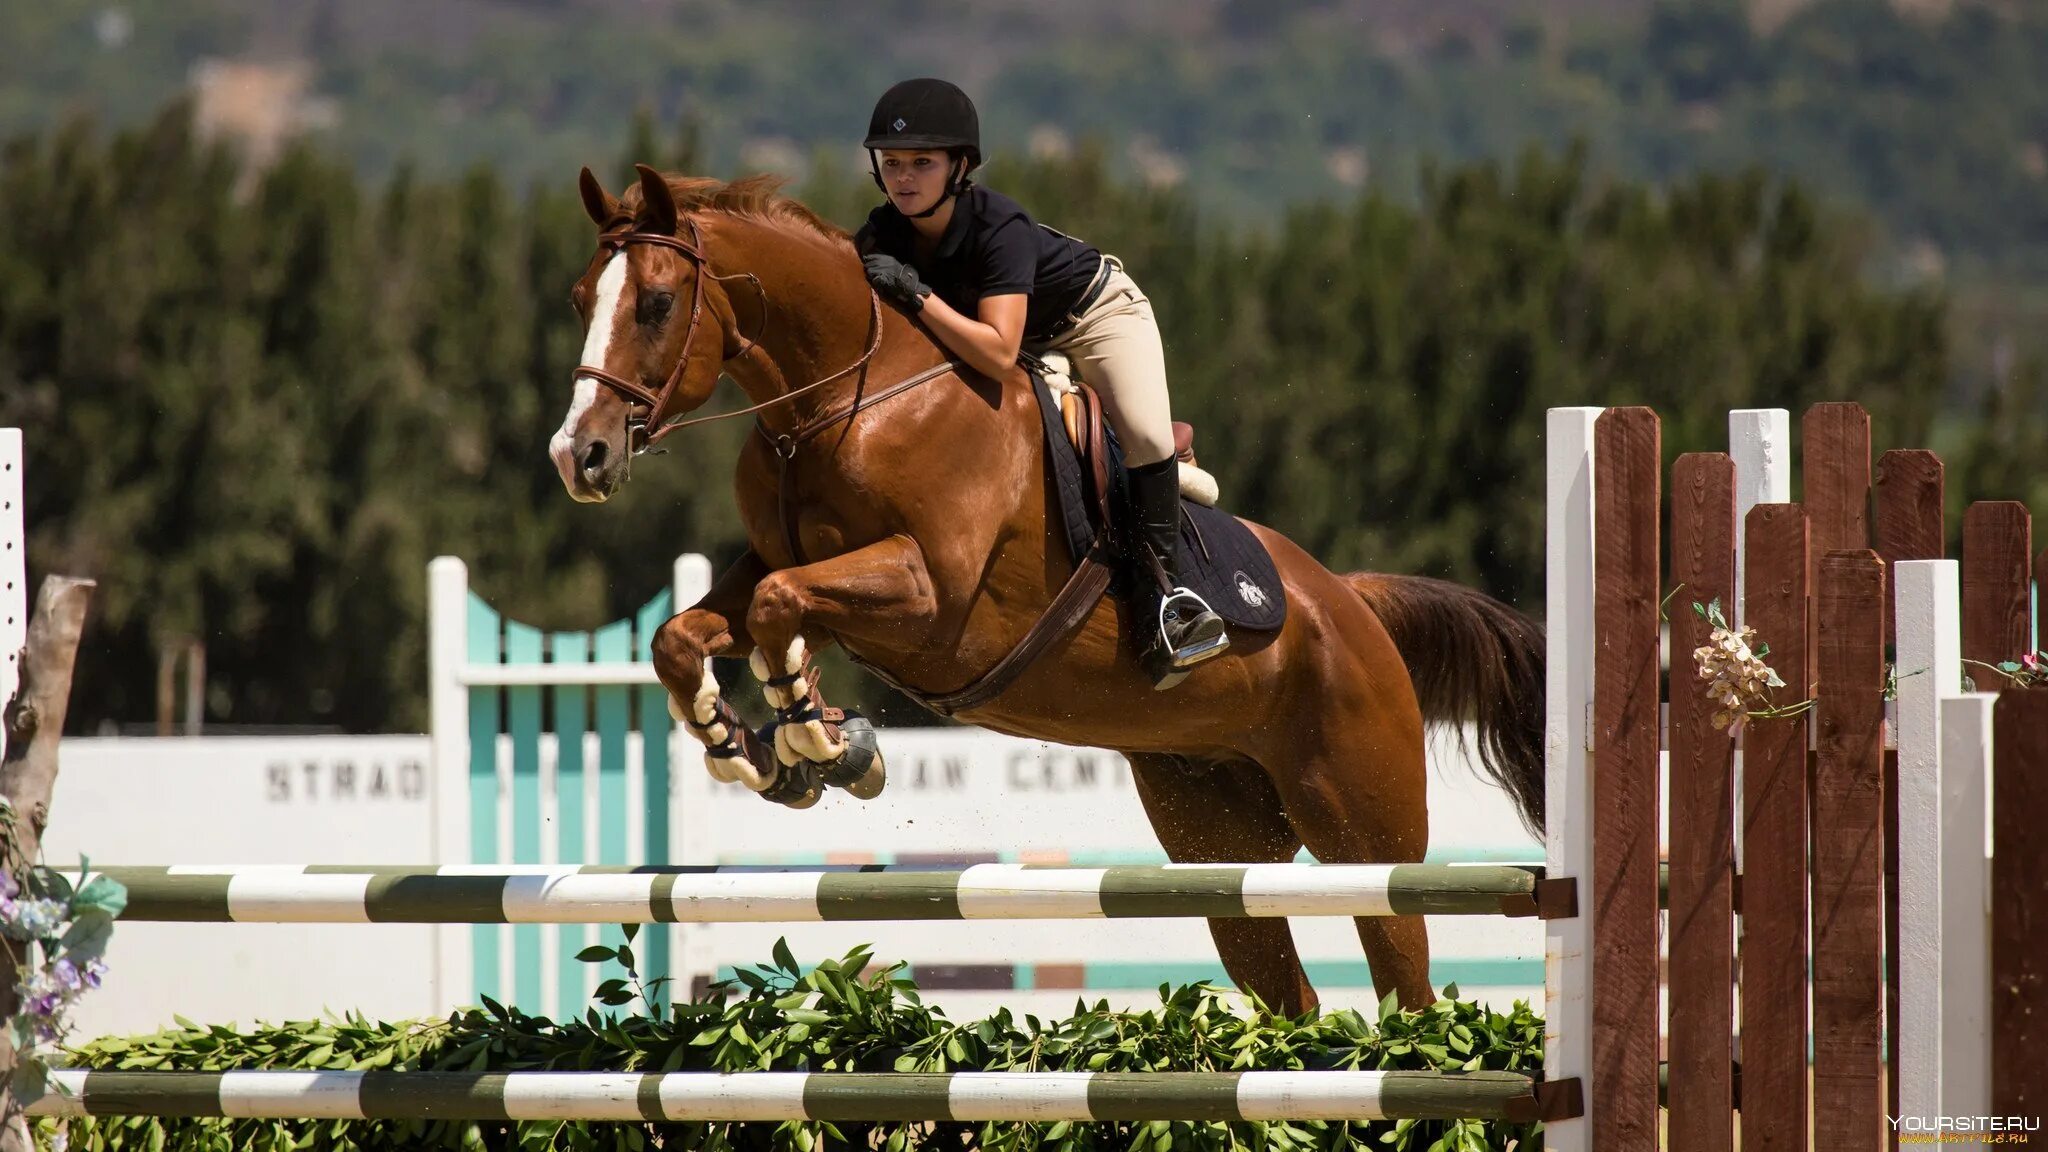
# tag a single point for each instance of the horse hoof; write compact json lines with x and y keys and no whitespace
{"x":796,"y":785}
{"x":859,"y":769}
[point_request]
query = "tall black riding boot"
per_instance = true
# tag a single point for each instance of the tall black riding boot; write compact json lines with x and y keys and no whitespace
{"x":1177,"y":629}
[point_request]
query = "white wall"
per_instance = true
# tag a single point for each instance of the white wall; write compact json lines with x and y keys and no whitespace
{"x":369,"y":800}
{"x":230,"y":800}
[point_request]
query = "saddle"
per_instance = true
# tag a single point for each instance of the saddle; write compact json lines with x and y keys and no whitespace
{"x":1081,"y":416}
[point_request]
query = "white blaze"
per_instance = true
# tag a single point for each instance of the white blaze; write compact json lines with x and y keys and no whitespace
{"x":597,"y":346}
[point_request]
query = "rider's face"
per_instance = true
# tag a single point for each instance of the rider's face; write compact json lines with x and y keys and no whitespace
{"x":915,"y":180}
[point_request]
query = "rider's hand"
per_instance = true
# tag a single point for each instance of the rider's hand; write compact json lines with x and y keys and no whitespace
{"x":896,"y":280}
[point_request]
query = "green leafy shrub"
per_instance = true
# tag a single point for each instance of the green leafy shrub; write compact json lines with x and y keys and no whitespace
{"x":839,"y":1017}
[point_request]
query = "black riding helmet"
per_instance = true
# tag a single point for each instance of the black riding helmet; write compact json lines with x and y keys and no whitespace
{"x":922,"y":114}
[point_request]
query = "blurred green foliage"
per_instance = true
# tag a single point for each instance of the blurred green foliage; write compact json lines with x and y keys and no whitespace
{"x":258,"y":404}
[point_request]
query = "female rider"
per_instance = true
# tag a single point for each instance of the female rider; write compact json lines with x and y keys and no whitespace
{"x":987,"y":280}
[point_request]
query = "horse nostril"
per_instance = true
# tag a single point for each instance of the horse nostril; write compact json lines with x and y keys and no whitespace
{"x":593,"y":459}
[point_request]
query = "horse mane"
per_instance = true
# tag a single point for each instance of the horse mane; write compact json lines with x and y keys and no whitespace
{"x":758,"y":197}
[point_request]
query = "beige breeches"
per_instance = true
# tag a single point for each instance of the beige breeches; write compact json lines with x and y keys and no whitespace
{"x":1115,"y":347}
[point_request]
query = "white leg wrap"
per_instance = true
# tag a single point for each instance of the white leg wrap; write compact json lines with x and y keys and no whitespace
{"x":809,"y":738}
{"x":721,"y":769}
{"x":802,"y":687}
{"x":758,"y":665}
{"x":701,"y":708}
{"x":706,"y":703}
{"x":785,"y":749}
{"x":793,"y":660}
{"x":745,"y":773}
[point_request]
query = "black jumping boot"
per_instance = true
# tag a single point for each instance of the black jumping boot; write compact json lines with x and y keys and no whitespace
{"x":1176,"y":628}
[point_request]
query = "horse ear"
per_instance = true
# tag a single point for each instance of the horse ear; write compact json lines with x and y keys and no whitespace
{"x":657,"y":201}
{"x":597,"y":202}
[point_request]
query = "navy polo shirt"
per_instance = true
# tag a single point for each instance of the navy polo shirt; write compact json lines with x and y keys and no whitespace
{"x":991,"y":248}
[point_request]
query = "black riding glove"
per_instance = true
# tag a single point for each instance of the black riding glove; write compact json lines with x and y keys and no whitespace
{"x":896,"y":280}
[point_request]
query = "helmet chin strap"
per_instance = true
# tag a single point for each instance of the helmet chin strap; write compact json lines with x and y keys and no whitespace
{"x":945,"y":194}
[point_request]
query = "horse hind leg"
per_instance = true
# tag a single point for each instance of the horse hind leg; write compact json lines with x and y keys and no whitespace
{"x":1364,"y":802}
{"x":1229,"y":813}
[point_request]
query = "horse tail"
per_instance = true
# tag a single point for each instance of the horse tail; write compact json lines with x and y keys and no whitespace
{"x":1473,"y":660}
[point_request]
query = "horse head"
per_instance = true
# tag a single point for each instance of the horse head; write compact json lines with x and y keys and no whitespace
{"x":658,"y":331}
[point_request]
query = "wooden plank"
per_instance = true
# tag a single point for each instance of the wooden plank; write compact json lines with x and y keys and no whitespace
{"x":13,"y":568}
{"x":1997,"y":582}
{"x":1909,"y":517}
{"x":657,"y":942}
{"x":1775,"y":935}
{"x":1835,"y":477}
{"x":1569,"y":661}
{"x":1760,"y":440}
{"x":1848,"y":993}
{"x":1626,"y":696}
{"x":522,"y":722}
{"x":1702,"y":816}
{"x":448,"y":615}
{"x":1930,"y":670}
{"x":484,"y":646}
{"x":2019,"y":875}
{"x":613,"y":706}
{"x":571,"y":702}
{"x":1966,"y":759}
{"x":1889,"y":762}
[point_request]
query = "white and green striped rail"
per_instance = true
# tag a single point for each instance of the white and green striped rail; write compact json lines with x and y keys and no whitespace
{"x":541,"y":894}
{"x":741,"y":1096}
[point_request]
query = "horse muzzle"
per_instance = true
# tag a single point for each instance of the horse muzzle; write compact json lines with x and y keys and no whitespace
{"x":592,"y":467}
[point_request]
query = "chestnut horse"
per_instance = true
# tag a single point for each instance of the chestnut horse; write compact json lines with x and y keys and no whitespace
{"x":927,"y":545}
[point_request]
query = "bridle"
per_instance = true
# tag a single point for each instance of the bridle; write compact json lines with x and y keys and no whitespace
{"x":648,"y":423}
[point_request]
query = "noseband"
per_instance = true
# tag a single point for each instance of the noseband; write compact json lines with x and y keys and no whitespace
{"x":646,"y":428}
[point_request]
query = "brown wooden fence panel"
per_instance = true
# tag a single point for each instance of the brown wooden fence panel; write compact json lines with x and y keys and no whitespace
{"x":1996,"y":578}
{"x":1834,"y":471}
{"x":1848,"y":865}
{"x":1909,"y":517}
{"x":1774,"y":844}
{"x":1702,"y":914}
{"x":1623,"y":1095}
{"x":2019,"y":880}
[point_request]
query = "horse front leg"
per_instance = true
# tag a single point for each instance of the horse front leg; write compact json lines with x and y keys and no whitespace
{"x":681,"y":653}
{"x":881,"y":591}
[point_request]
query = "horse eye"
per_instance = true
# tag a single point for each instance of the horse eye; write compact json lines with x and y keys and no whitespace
{"x":655,"y":308}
